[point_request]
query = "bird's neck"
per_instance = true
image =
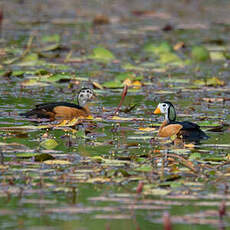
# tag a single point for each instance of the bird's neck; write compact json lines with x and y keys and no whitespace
{"x":86,"y":108}
{"x":82,"y":103}
{"x":167,"y":118}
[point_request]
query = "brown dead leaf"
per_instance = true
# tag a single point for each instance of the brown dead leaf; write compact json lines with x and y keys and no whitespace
{"x":2,"y":52}
{"x":183,"y":161}
{"x":210,"y":100}
{"x":178,"y":46}
{"x":101,"y":20}
{"x":97,"y":85}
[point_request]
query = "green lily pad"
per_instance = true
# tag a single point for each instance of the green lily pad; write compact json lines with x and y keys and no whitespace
{"x":128,"y":66}
{"x":47,"y":48}
{"x":49,"y":144}
{"x":5,"y":73}
{"x":18,"y":73}
{"x":26,"y":155}
{"x":57,"y":77}
{"x":171,"y":58}
{"x":44,"y":157}
{"x":144,"y":168}
{"x":195,"y":156}
{"x":51,"y":38}
{"x":175,"y":80}
{"x":33,"y":82}
{"x":214,"y":81}
{"x":102,"y":54}
{"x":80,"y":133}
{"x":123,"y":76}
{"x":216,"y":159}
{"x":200,"y":53}
{"x":208,"y":123}
{"x":227,"y":55}
{"x":113,"y":84}
{"x":161,"y":48}
{"x":155,"y":191}
{"x":32,"y":57}
{"x":200,"y":82}
{"x":41,"y":72}
{"x":217,"y":56}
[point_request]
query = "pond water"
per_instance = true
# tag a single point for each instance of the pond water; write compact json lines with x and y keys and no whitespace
{"x":86,"y":176}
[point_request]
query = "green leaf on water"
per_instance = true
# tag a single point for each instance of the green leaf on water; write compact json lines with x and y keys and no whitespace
{"x":47,"y":48}
{"x":172,"y":184}
{"x":217,"y":56}
{"x":32,"y":57}
{"x":18,"y":73}
{"x":102,"y":54}
{"x":200,"y":53}
{"x":33,"y":82}
{"x":113,"y":84}
{"x":195,"y":156}
{"x":171,"y":58}
{"x":51,"y":38}
{"x":128,"y":66}
{"x":144,"y":168}
{"x":123,"y":172}
{"x":148,"y":189}
{"x":227,"y":55}
{"x":49,"y":144}
{"x":200,"y":82}
{"x":123,"y":76}
{"x":214,"y":81}
{"x":41,"y":72}
{"x":55,"y":66}
{"x":57,"y":77}
{"x":161,"y":48}
{"x":43,"y":157}
{"x":5,"y":73}
{"x":132,"y":76}
{"x":174,"y":80}
{"x":97,"y":159}
{"x":80,"y":133}
{"x":26,"y":155}
{"x":208,"y":123}
{"x":215,"y":159}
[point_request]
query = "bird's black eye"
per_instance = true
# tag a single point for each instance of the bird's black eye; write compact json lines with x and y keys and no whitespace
{"x":164,"y":105}
{"x":88,"y":91}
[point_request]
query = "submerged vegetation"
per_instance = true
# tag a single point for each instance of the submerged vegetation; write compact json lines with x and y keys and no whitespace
{"x":111,"y":170}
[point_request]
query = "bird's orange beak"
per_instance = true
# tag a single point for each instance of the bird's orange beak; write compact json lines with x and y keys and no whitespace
{"x":157,"y":111}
